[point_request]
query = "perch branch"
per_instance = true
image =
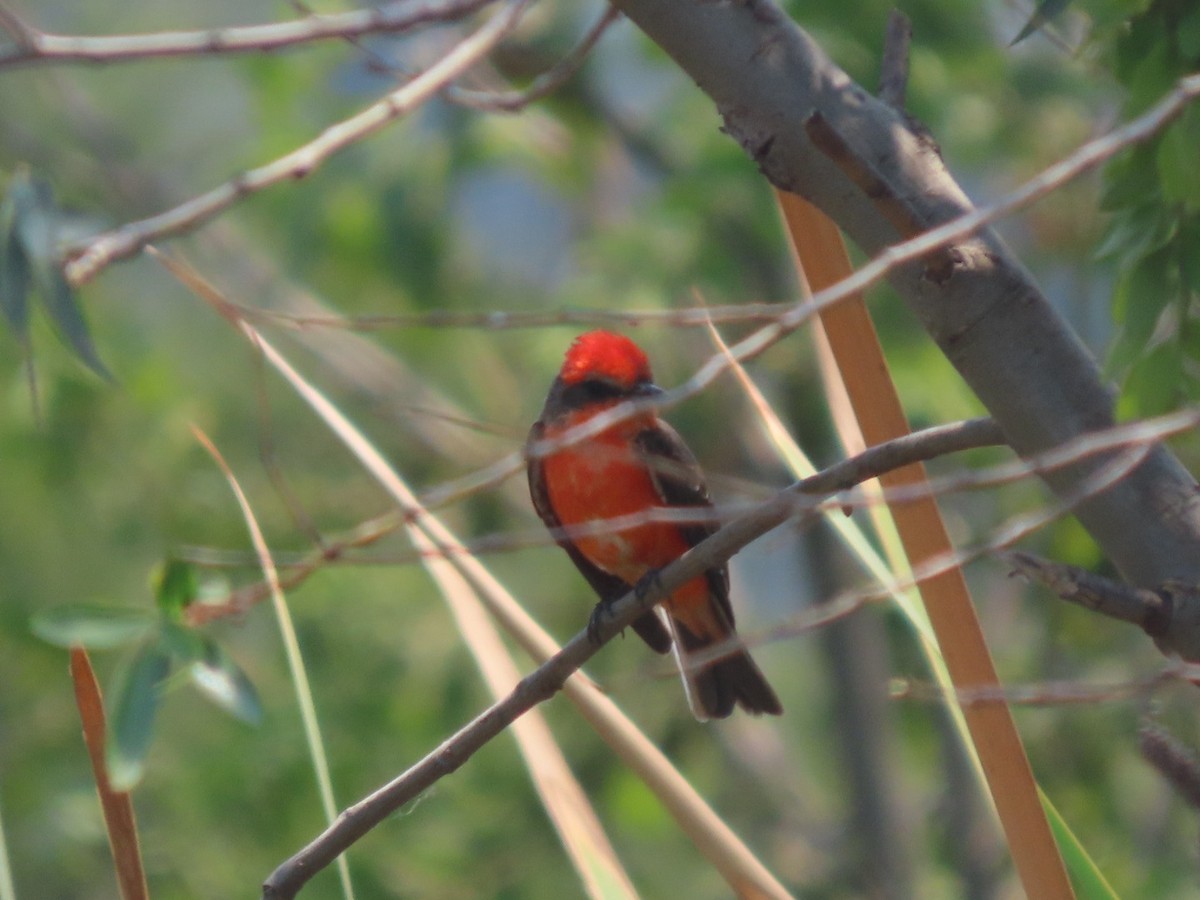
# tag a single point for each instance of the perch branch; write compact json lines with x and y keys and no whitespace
{"x":547,"y":679}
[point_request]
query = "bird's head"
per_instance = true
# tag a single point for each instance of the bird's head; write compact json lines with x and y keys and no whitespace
{"x":601,"y":368}
{"x":604,"y":357}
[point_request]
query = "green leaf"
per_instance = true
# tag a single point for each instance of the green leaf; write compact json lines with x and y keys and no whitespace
{"x":1153,"y":73}
{"x":37,"y":232}
{"x":1178,"y":161}
{"x":1087,"y":879}
{"x":15,"y":277}
{"x":1131,"y":179}
{"x":131,"y":724}
{"x":1141,"y":296}
{"x":1047,"y":11}
{"x":1188,"y":247}
{"x":225,"y":683}
{"x":1155,"y":383}
{"x":175,"y":587}
{"x":1137,"y":232}
{"x":94,"y":627}
{"x":1187,"y":35}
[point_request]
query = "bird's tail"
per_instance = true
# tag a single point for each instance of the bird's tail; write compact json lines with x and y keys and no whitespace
{"x":714,"y":686}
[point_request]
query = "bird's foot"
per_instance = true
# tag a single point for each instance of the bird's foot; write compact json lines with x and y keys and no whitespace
{"x":648,"y":584}
{"x":602,"y":611}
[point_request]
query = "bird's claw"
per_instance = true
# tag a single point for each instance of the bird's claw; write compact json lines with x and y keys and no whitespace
{"x":647,"y":584}
{"x":595,"y":623}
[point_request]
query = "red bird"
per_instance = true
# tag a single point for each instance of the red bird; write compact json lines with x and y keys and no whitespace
{"x":632,"y":469}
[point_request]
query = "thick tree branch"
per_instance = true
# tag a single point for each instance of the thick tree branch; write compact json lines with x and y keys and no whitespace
{"x":548,"y":678}
{"x":767,"y":78}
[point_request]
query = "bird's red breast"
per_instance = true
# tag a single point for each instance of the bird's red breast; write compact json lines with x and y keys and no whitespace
{"x":605,"y":478}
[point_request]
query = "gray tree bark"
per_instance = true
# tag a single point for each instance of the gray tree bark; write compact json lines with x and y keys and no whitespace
{"x":980,"y":305}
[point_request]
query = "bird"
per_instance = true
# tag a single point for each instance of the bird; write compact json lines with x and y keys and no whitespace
{"x":636,"y":468}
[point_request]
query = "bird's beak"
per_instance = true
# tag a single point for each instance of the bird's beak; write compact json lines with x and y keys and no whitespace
{"x":647,"y":389}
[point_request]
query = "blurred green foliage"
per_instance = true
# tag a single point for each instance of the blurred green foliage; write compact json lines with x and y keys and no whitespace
{"x":616,"y":193}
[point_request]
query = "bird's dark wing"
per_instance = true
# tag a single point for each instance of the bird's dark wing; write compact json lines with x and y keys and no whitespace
{"x":608,"y":587}
{"x":680,"y":482}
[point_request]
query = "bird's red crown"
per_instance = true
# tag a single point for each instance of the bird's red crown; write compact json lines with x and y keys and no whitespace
{"x":604,"y":354}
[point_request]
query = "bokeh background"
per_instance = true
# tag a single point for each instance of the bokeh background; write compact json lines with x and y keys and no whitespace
{"x":617,"y":193}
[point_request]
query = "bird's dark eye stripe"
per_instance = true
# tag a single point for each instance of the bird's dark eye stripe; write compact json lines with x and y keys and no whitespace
{"x":590,"y":391}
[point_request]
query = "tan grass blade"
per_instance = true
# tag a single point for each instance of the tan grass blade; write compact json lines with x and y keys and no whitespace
{"x":580,"y":830}
{"x":117,"y":806}
{"x":821,"y":255}
{"x":299,"y":674}
{"x":745,"y":874}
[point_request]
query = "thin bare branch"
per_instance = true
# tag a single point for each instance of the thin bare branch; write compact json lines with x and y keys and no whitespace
{"x":893,"y":70}
{"x":129,"y":239}
{"x":548,"y":678}
{"x":919,"y":446}
{"x":22,"y":34}
{"x":1115,"y":599}
{"x":546,"y":83}
{"x":1174,"y":760}
{"x":1016,"y":529}
{"x":500,"y":320}
{"x":35,"y":46}
{"x":1051,"y":693}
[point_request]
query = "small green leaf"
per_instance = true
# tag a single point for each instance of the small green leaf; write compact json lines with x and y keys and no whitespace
{"x":14,"y":265}
{"x":131,"y":724}
{"x":1047,"y":11}
{"x":37,"y":232}
{"x":226,"y":684}
{"x":175,"y":587}
{"x":1142,"y":294}
{"x":1178,"y":160}
{"x":1188,"y":248}
{"x":1187,"y":34}
{"x":1131,"y":180}
{"x":94,"y":627}
{"x":1138,"y":231}
{"x":1155,"y":384}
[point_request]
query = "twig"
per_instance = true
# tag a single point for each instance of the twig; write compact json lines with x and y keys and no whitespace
{"x":1144,"y":608}
{"x":1052,"y":693}
{"x":923,"y":445}
{"x":500,"y":319}
{"x":827,"y":486}
{"x":35,"y":46}
{"x":127,"y":240}
{"x":23,"y":35}
{"x":546,"y":83}
{"x":893,"y":70}
{"x":499,"y":101}
{"x":1176,"y":762}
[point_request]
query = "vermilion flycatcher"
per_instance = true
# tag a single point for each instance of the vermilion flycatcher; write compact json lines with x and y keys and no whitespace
{"x":634,"y":468}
